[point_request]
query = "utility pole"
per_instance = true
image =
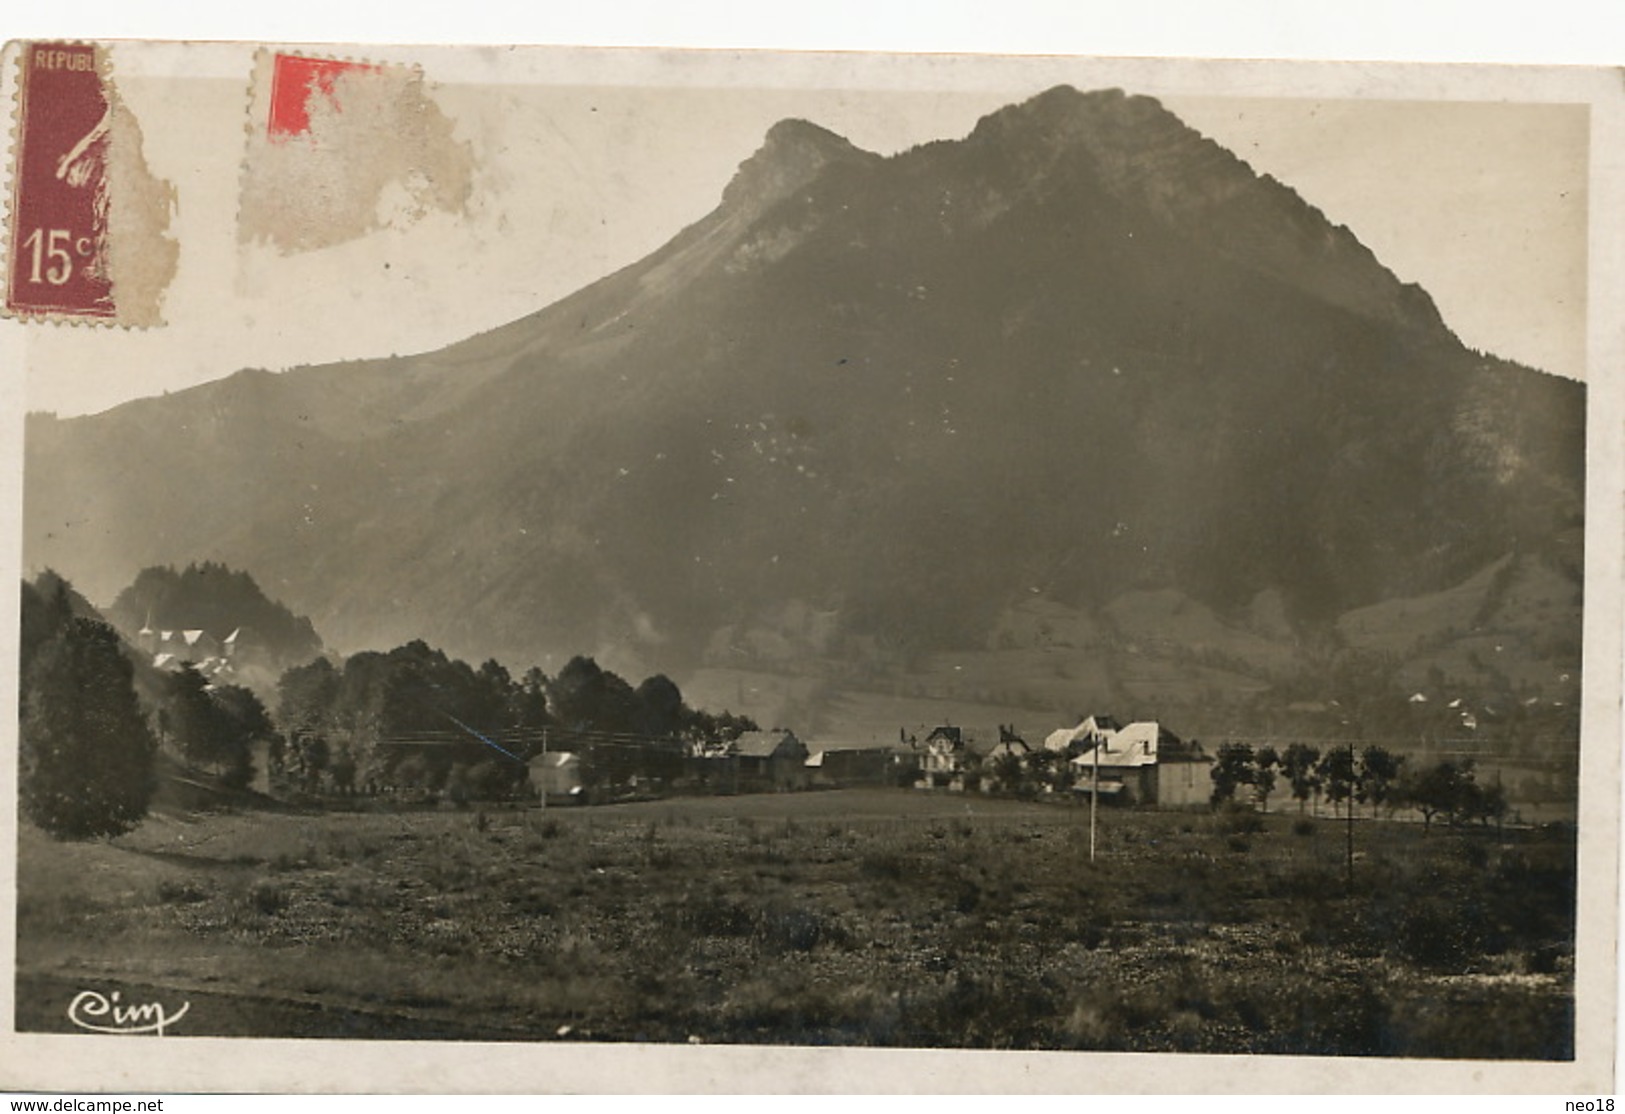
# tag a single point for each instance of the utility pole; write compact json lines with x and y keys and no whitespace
{"x":1094,"y":797}
{"x":1348,"y":812}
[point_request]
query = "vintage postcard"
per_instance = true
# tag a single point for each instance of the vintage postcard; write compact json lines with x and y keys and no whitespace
{"x":568,"y":570}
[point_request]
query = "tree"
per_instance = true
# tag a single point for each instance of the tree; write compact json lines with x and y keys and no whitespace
{"x":1491,"y":805}
{"x":306,"y":695}
{"x":1300,"y":764}
{"x":412,"y":772}
{"x":196,"y":724}
{"x":306,"y":757}
{"x":585,"y":697}
{"x":703,"y":727}
{"x":1438,"y":790}
{"x":659,"y":707}
{"x":341,"y":771}
{"x":87,"y":757}
{"x":1234,"y":768}
{"x":1379,"y":771}
{"x":45,"y":611}
{"x":491,"y":780}
{"x":529,"y":701}
{"x":1264,"y":764}
{"x":215,"y":726}
{"x":492,"y":696}
{"x":1009,"y":771}
{"x":248,"y":723}
{"x":1054,"y":769}
{"x":1337,"y":774}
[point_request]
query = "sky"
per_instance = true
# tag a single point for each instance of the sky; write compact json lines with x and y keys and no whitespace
{"x":580,"y":170}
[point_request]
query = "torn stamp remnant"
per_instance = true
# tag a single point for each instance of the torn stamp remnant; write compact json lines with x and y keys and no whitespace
{"x":339,"y":148}
{"x":88,"y":236}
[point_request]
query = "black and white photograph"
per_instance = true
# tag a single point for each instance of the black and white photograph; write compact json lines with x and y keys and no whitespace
{"x":562,"y":550}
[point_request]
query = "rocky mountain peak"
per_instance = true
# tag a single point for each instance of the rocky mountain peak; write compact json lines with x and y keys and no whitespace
{"x":793,"y":153}
{"x":1156,"y":167}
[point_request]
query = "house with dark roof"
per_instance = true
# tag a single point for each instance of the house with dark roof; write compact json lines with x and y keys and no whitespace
{"x":841,"y":765}
{"x":944,"y":756}
{"x":756,"y":761}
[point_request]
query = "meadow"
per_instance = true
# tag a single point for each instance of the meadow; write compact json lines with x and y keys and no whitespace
{"x":865,"y":917}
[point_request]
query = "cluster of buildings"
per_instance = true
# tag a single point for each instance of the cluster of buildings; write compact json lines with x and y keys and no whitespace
{"x":170,"y":649}
{"x":1137,"y":763}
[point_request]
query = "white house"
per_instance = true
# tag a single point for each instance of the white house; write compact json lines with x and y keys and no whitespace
{"x":1140,"y":763}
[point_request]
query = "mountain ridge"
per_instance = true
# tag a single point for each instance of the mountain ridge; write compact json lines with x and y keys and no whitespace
{"x":823,"y":393}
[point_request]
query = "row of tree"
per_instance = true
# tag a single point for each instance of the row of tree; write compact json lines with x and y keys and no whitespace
{"x":412,"y":717}
{"x":95,"y":717}
{"x":1375,"y":776}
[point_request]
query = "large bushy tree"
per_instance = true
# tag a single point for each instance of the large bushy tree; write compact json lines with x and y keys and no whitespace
{"x":87,"y":756}
{"x":1451,"y":790}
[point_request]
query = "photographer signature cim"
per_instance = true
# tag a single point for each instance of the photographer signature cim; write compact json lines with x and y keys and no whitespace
{"x":102,"y":1013}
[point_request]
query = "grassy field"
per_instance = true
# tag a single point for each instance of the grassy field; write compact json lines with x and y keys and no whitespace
{"x":855,"y":917}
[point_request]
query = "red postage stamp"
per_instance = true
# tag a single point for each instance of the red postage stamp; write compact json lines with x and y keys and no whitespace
{"x":59,"y":204}
{"x":295,"y":80}
{"x":339,"y":148}
{"x":88,"y":235}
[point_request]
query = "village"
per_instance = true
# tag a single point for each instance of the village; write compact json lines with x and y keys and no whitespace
{"x":1140,"y":763}
{"x":588,"y":738}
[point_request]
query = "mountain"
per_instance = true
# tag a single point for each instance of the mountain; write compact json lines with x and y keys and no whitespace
{"x":862,"y":414}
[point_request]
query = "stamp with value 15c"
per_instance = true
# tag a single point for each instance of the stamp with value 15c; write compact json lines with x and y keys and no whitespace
{"x":87,"y":232}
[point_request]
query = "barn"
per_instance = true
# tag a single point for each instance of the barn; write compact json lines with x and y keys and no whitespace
{"x":774,"y":759}
{"x":836,"y":766}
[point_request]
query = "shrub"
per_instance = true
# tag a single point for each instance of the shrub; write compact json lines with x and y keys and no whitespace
{"x":884,"y":864}
{"x":714,"y":915}
{"x":1241,"y":820}
{"x":1438,"y":933}
{"x":1303,"y":826}
{"x":268,"y":898}
{"x":795,"y":930}
{"x":549,"y":828}
{"x":182,"y":892}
